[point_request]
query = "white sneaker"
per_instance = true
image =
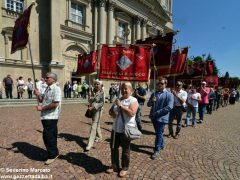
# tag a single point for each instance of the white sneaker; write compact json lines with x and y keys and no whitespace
{"x":49,"y":161}
{"x":88,"y":148}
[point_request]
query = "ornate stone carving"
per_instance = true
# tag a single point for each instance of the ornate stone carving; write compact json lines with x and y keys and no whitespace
{"x":111,"y":6}
{"x":138,"y":20}
{"x":102,"y":3}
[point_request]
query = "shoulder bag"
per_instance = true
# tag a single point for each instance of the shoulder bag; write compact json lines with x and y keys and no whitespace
{"x":130,"y":132}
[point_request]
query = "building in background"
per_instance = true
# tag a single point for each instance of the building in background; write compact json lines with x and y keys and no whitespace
{"x":60,"y":30}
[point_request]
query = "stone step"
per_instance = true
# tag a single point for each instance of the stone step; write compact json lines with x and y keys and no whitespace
{"x":33,"y":102}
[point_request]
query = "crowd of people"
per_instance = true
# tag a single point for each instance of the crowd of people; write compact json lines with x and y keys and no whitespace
{"x":166,"y":105}
{"x":21,"y":86}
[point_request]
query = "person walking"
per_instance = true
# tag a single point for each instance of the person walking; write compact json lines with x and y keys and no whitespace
{"x":192,"y":106}
{"x":180,"y":97}
{"x":50,"y":110}
{"x":161,"y":103}
{"x":204,"y":91}
{"x":211,"y":99}
{"x":140,"y":94}
{"x":96,"y":102}
{"x":8,"y":85}
{"x":128,"y":106}
{"x":29,"y":88}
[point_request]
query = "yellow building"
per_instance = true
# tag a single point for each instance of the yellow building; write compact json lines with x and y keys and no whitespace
{"x":60,"y":30}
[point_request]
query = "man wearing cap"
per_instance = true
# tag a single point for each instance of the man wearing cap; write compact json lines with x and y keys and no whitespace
{"x":50,"y":110}
{"x":204,"y":91}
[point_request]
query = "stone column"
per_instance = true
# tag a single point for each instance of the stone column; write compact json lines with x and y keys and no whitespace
{"x":144,"y":29}
{"x":110,"y":22}
{"x":24,"y":54}
{"x":101,"y":21}
{"x":138,"y":33}
{"x":95,"y":23}
{"x":6,"y":42}
{"x":55,"y":31}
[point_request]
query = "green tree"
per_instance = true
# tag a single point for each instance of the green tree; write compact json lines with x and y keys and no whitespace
{"x":226,"y":75}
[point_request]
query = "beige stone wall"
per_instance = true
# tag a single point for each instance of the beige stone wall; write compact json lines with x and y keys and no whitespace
{"x":55,"y":41}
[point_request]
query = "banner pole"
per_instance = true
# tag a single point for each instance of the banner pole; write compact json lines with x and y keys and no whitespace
{"x":99,"y":58}
{"x":30,"y":52}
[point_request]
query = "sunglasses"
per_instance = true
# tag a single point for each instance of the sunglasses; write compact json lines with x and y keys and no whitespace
{"x":161,"y":83}
{"x":97,"y":84}
{"x":47,"y":77}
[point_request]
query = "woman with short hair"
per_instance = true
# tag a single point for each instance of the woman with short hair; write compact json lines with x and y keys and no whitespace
{"x":128,"y":105}
{"x":96,"y":102}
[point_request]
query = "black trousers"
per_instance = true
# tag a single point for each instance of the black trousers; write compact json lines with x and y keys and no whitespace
{"x":8,"y":91}
{"x":50,"y":132}
{"x":120,"y":140}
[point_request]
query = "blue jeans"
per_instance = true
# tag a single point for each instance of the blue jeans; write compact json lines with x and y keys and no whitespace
{"x":192,"y":111}
{"x":139,"y":116}
{"x":159,"y":140}
{"x":201,"y":110}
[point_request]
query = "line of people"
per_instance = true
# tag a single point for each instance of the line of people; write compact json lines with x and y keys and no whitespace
{"x":166,"y":105}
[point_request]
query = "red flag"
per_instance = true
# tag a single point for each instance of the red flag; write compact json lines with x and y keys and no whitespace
{"x":211,"y":80}
{"x":125,"y":63}
{"x":178,"y":62}
{"x":162,"y":51}
{"x":160,"y":72}
{"x":20,"y":30}
{"x":87,"y":63}
{"x":209,"y":67}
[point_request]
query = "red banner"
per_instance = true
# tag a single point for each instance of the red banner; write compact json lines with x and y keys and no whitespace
{"x":162,"y":51}
{"x":196,"y":69}
{"x":160,"y":72}
{"x":211,"y":80}
{"x":209,"y":67}
{"x":20,"y":30}
{"x":125,"y":63}
{"x":87,"y":63}
{"x":178,"y":62}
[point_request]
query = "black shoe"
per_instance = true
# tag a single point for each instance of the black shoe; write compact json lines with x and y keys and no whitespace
{"x":155,"y":155}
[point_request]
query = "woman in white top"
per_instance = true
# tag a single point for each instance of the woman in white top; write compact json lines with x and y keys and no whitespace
{"x":128,"y":105}
{"x":20,"y":87}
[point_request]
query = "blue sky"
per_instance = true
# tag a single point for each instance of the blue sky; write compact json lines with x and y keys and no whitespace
{"x":210,"y":26}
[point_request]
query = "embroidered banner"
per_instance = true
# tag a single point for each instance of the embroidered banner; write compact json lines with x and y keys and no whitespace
{"x":125,"y":63}
{"x":87,"y":63}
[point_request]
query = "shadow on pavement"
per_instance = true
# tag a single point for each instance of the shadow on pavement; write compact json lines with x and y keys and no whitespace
{"x":141,"y":148}
{"x":28,"y":150}
{"x":147,"y":132}
{"x":77,"y":139}
{"x":90,"y":164}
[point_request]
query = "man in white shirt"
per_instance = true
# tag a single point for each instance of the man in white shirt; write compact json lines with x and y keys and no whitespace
{"x":74,"y":89}
{"x":50,"y":110}
{"x":192,"y":106}
{"x":180,"y":97}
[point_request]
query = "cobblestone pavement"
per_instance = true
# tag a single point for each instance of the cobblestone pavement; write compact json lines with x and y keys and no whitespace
{"x":210,"y":151}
